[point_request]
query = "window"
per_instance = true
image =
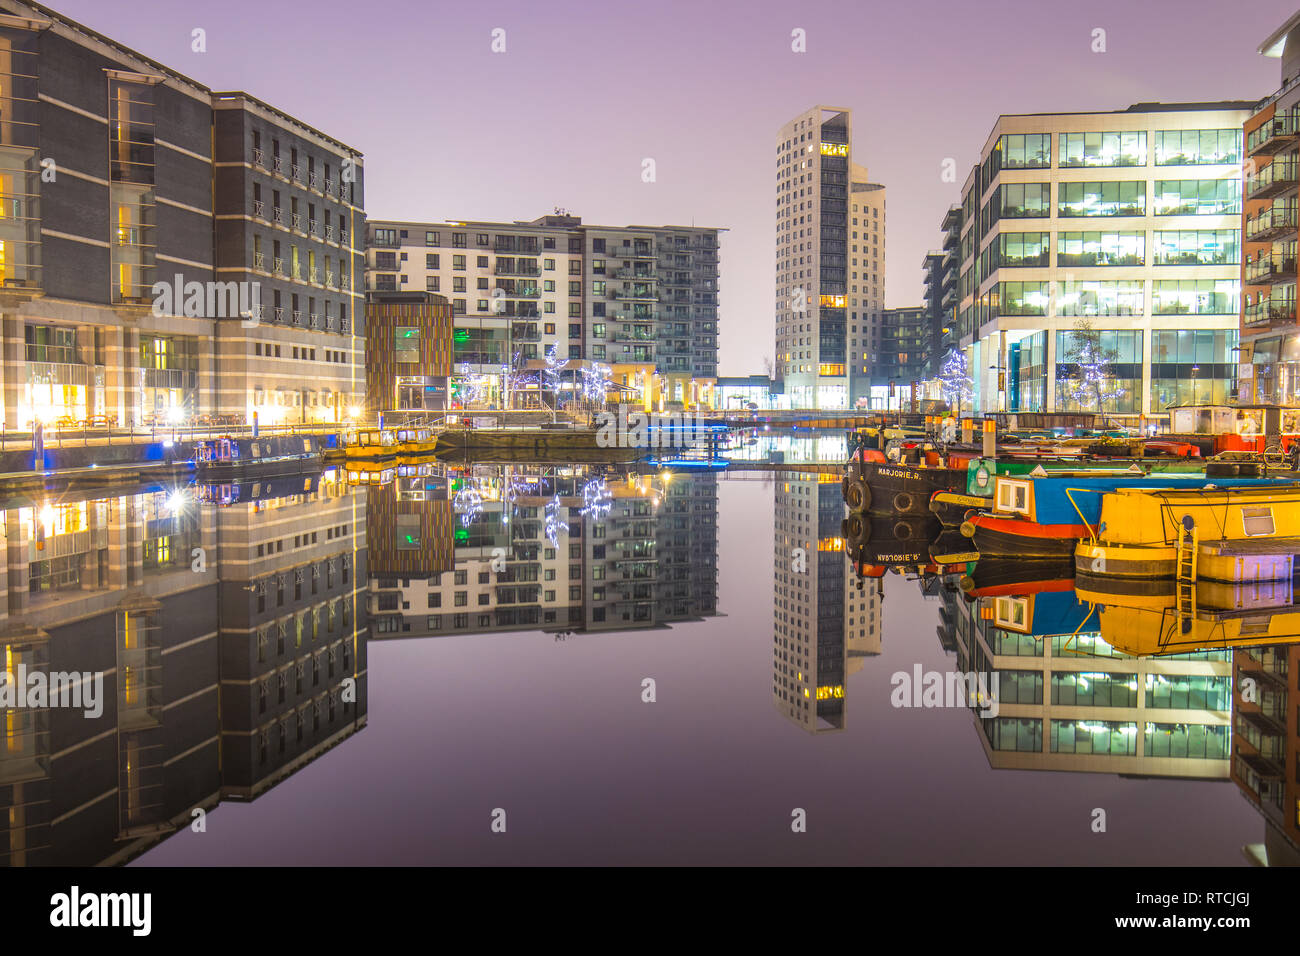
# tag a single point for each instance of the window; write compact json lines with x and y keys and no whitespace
{"x":1100,"y":249}
{"x":1102,"y":149}
{"x":1197,"y":197}
{"x":1257,"y":522}
{"x":1196,"y":247}
{"x":1013,"y":496}
{"x":1101,"y":199}
{"x":1203,"y":147}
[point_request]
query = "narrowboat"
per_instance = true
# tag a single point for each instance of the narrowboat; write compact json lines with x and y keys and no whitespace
{"x":1237,"y":533}
{"x":996,"y":577}
{"x":952,"y":508}
{"x":227,"y":459}
{"x":371,"y":445}
{"x":413,"y":442}
{"x":1038,"y":516}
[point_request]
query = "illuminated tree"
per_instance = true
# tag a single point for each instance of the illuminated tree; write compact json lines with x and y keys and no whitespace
{"x":1088,"y":377}
{"x":954,"y":379}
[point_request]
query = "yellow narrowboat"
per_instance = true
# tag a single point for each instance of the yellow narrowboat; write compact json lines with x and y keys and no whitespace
{"x":1238,"y":534}
{"x":416,"y":441}
{"x":372,"y":445}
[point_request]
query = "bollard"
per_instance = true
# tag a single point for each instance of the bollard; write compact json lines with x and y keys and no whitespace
{"x":990,"y":438}
{"x":967,"y":431}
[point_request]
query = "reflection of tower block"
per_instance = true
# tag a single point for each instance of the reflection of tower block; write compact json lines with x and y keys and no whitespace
{"x":139,"y":715}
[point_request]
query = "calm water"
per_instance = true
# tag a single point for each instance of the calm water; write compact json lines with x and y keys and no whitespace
{"x":365,"y":674}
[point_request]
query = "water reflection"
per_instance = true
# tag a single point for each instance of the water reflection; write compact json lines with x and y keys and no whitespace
{"x":232,"y":625}
{"x":229,"y":626}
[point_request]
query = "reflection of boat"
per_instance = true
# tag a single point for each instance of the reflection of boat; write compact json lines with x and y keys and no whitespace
{"x":1142,"y":631}
{"x":953,"y":547}
{"x":998,"y":576}
{"x":1226,"y":534}
{"x":1046,"y":612}
{"x":1044,"y":516}
{"x":255,"y":489}
{"x":888,"y":541}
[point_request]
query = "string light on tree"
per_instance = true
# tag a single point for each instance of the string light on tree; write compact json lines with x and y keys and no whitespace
{"x":954,"y":379}
{"x":554,"y":521}
{"x":597,"y":500}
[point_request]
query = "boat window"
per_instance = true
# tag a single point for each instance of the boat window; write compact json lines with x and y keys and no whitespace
{"x":1257,"y":521}
{"x":1011,"y":613}
{"x":1013,"y":496}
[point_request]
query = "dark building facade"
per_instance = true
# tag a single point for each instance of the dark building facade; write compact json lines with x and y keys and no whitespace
{"x":137,"y":203}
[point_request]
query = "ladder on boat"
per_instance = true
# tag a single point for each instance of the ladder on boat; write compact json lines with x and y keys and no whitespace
{"x":1185,"y":574}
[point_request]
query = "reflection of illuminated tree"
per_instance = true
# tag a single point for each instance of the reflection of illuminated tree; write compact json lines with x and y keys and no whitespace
{"x":597,"y":501}
{"x":555,"y":522}
{"x":467,"y":503}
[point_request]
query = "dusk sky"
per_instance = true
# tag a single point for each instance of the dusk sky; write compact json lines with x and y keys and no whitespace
{"x":584,"y":92}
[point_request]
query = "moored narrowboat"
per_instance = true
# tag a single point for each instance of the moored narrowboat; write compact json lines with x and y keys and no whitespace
{"x":1238,"y":533}
{"x":226,"y":459}
{"x":1038,"y":516}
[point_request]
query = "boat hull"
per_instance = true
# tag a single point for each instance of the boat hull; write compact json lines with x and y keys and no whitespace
{"x":905,"y":489}
{"x":997,"y":537}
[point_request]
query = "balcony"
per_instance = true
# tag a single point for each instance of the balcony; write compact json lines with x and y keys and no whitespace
{"x":632,"y":252}
{"x":632,"y":337}
{"x":1273,"y":223}
{"x":259,"y":261}
{"x":643,"y":275}
{"x":311,"y":226}
{"x":313,"y":180}
{"x":1270,"y":269}
{"x":518,"y":269}
{"x":1270,"y":309}
{"x":641,"y":295}
{"x":259,"y":157}
{"x":259,"y":209}
{"x":277,"y":265}
{"x":515,"y":249}
{"x":329,"y":233}
{"x":277,"y":164}
{"x":297,"y":317}
{"x":277,"y":215}
{"x":297,"y":222}
{"x":1278,"y":177}
{"x":525,"y":333}
{"x":295,"y":172}
{"x":1273,"y":137}
{"x":524,"y":292}
{"x":279,"y":313}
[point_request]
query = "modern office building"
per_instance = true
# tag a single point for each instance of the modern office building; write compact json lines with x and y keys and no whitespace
{"x":641,"y":299}
{"x":1111,"y":240}
{"x":1270,"y":344}
{"x":830,"y":263}
{"x":168,"y":251}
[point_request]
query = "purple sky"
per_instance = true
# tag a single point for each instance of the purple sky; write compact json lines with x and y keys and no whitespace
{"x":585,"y":91}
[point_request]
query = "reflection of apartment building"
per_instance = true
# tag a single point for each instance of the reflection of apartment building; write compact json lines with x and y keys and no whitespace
{"x":830,"y":263}
{"x":1072,"y":702}
{"x":160,"y":594}
{"x":642,"y":299}
{"x":293,"y":631}
{"x":823,"y":624}
{"x":1129,"y":221}
{"x":1266,"y":746}
{"x":161,"y":180}
{"x":649,"y":560}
